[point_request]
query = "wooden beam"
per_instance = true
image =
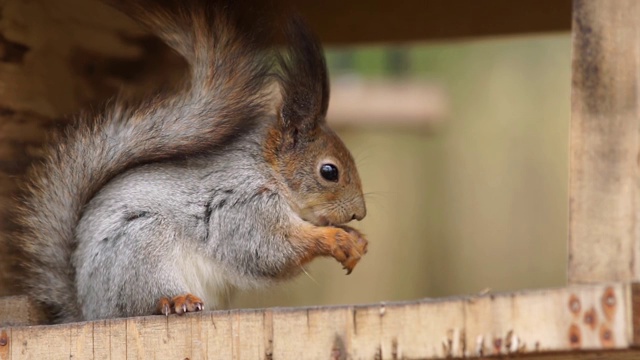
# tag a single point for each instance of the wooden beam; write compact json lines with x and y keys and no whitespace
{"x":386,"y":103}
{"x":573,"y":323}
{"x":344,"y":22}
{"x":604,"y":241}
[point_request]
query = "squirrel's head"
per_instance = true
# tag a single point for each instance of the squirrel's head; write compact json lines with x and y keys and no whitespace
{"x":320,"y":174}
{"x":315,"y":164}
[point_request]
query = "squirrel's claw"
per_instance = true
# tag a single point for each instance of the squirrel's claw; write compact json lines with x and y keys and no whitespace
{"x":164,"y":307}
{"x":180,"y":304}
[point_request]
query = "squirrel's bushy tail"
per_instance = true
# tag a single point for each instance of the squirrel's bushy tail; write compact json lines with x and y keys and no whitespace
{"x":226,"y":93}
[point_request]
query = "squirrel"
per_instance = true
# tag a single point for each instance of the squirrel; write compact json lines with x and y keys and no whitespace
{"x":163,"y":205}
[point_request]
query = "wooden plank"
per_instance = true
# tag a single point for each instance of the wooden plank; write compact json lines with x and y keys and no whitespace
{"x":343,"y":22}
{"x":578,"y":322}
{"x":604,"y":242}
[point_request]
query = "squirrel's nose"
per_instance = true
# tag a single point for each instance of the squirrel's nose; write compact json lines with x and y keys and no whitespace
{"x":360,"y":213}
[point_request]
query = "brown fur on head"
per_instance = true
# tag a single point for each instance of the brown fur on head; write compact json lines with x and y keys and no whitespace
{"x":315,"y":164}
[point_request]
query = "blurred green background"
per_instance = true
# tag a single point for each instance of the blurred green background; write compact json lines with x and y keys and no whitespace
{"x":475,"y":201}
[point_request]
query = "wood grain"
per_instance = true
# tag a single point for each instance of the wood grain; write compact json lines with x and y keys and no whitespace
{"x":604,"y":238}
{"x":589,"y":321}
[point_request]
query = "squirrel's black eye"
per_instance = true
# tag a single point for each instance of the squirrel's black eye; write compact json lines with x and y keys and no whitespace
{"x":329,"y":172}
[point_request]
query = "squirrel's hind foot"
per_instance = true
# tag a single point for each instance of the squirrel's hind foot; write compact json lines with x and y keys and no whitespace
{"x":180,"y":305}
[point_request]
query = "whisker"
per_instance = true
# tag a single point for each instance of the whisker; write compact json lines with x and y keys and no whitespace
{"x":375,"y":194}
{"x":309,"y":275}
{"x":362,"y":157}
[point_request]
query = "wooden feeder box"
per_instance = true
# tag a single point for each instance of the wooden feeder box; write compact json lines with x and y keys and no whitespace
{"x":43,"y":76}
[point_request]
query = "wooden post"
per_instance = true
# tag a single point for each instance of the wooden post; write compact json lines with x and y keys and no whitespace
{"x":604,"y":242}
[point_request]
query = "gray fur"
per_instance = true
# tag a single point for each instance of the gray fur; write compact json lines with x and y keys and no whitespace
{"x":135,"y":227}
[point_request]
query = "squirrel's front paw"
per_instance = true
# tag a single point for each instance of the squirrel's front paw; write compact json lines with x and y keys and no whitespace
{"x":180,"y":304}
{"x":350,"y":245}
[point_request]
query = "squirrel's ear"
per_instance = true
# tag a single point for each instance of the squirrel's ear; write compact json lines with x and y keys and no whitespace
{"x":303,"y":80}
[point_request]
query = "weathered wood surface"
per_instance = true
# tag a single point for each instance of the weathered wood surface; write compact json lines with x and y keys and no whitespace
{"x":594,"y":321}
{"x":604,"y":242}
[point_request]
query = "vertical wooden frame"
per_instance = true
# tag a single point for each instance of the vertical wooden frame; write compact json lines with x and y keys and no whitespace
{"x":603,"y":239}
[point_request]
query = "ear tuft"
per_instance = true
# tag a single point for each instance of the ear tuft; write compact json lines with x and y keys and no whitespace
{"x":303,"y":79}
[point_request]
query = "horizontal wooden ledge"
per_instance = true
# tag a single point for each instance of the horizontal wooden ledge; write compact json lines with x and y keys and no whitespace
{"x":349,"y":22}
{"x":571,"y":323}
